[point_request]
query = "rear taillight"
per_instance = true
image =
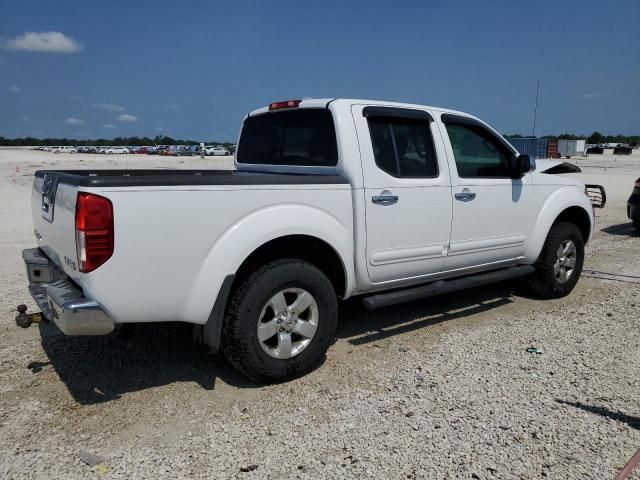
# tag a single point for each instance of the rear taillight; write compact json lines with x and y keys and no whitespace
{"x":285,"y":104}
{"x":94,"y":231}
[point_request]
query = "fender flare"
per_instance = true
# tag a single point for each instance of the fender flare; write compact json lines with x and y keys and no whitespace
{"x":252,"y":231}
{"x":559,"y":201}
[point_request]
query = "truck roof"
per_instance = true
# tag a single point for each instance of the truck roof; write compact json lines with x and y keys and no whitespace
{"x":324,"y":102}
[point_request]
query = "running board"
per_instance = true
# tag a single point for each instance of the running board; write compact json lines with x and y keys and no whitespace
{"x":445,"y":286}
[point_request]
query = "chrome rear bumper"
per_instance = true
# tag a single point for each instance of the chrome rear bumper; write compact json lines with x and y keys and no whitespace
{"x":61,"y":302}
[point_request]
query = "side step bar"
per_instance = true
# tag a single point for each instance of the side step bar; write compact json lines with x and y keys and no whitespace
{"x":445,"y":286}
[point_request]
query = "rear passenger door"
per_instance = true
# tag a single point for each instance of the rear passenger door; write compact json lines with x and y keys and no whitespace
{"x":493,"y":214}
{"x":407,"y":192}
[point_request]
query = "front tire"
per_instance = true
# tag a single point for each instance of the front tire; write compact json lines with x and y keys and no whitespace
{"x":560,"y":263}
{"x":636,"y":225}
{"x":281,"y":321}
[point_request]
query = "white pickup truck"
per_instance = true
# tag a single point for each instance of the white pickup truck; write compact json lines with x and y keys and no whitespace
{"x":330,"y":199}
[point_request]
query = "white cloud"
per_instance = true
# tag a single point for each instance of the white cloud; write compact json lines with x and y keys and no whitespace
{"x":14,"y":89}
{"x":125,"y":117}
{"x":74,"y":97}
{"x":108,"y":125}
{"x":173,"y":107}
{"x":160,"y":129}
{"x":75,"y":121}
{"x":25,"y":118}
{"x":109,"y":107}
{"x":48,"y":42}
{"x":591,"y":96}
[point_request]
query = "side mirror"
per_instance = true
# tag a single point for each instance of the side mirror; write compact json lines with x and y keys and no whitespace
{"x":520,"y":165}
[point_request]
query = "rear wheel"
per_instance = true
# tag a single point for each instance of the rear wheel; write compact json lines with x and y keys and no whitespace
{"x":281,"y":321}
{"x":560,"y":263}
{"x":636,"y":224}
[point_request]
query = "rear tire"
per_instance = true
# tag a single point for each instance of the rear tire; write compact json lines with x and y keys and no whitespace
{"x":268,"y":300}
{"x":560,"y":263}
{"x":636,"y":225}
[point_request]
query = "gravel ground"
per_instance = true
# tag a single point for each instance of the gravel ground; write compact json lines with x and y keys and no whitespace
{"x":442,"y":388}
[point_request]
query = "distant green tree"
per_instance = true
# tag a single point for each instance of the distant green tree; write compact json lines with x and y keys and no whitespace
{"x":595,"y":137}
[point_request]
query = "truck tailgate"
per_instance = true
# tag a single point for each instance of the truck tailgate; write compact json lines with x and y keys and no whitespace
{"x":53,"y":205}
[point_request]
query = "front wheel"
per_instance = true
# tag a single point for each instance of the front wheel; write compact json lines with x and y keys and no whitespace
{"x":636,"y":225}
{"x":560,"y":263}
{"x":281,"y":321}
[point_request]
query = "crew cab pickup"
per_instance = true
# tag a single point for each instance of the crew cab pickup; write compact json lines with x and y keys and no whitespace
{"x":330,"y":199}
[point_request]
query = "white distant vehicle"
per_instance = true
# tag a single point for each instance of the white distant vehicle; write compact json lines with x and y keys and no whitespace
{"x":63,"y":150}
{"x":112,"y":150}
{"x":218,"y":151}
{"x":569,"y":148}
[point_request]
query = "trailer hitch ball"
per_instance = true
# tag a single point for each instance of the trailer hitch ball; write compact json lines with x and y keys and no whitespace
{"x":24,"y":319}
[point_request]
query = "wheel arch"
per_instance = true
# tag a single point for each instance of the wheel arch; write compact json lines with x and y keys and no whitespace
{"x":260,"y":235}
{"x":309,"y":248}
{"x":579,"y":217}
{"x":565,"y":204}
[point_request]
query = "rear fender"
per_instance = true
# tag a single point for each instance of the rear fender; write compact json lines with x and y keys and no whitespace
{"x":254,"y":230}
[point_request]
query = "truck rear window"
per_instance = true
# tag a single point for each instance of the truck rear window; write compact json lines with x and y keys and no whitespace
{"x":304,"y":137}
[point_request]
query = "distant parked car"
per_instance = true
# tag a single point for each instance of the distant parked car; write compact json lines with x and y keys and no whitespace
{"x":622,"y":150}
{"x":596,"y":149}
{"x":64,"y":150}
{"x":633,"y":206}
{"x":111,"y":150}
{"x":218,"y":151}
{"x":141,"y":150}
{"x":170,"y":152}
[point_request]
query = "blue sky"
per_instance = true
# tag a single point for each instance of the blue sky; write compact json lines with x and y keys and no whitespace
{"x":193,"y":69}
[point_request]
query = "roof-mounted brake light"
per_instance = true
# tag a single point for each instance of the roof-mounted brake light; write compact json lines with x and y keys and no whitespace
{"x":284,"y":104}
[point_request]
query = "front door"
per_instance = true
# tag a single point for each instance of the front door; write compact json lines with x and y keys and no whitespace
{"x":493,"y":214}
{"x":407,"y":193}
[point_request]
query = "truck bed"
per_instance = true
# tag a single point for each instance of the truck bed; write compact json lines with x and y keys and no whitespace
{"x":138,"y":178}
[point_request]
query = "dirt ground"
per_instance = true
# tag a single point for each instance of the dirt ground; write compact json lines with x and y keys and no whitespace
{"x":442,"y":388}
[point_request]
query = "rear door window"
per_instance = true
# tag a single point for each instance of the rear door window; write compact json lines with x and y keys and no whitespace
{"x":304,"y":137}
{"x":403,"y":147}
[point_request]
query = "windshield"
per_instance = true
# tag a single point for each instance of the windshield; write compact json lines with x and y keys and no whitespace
{"x":304,"y":137}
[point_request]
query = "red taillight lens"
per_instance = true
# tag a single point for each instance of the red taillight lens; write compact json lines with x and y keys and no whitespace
{"x":285,"y":104}
{"x":94,"y":231}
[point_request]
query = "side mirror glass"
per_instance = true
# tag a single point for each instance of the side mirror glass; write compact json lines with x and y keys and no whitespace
{"x":521,"y":165}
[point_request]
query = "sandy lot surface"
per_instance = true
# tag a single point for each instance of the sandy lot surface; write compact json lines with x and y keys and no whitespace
{"x":442,"y":388}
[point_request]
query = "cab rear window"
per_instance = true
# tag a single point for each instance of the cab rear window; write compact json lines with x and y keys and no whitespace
{"x":304,"y":137}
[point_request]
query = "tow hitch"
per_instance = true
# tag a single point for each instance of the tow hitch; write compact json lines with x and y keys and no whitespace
{"x":24,"y":319}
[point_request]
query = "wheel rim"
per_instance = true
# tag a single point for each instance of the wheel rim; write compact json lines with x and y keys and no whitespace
{"x":287,"y":323}
{"x":565,"y":263}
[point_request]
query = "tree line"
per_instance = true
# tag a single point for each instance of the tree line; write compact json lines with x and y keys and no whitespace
{"x":100,"y":142}
{"x":595,"y":137}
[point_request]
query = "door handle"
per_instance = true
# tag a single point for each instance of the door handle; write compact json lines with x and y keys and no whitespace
{"x":465,"y":196}
{"x":384,"y":199}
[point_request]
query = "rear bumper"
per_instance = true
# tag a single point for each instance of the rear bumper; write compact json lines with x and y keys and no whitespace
{"x":61,"y":301}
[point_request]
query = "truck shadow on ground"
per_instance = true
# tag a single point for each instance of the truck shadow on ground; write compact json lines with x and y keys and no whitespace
{"x":624,"y":229}
{"x":360,"y":326}
{"x":102,"y":369}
